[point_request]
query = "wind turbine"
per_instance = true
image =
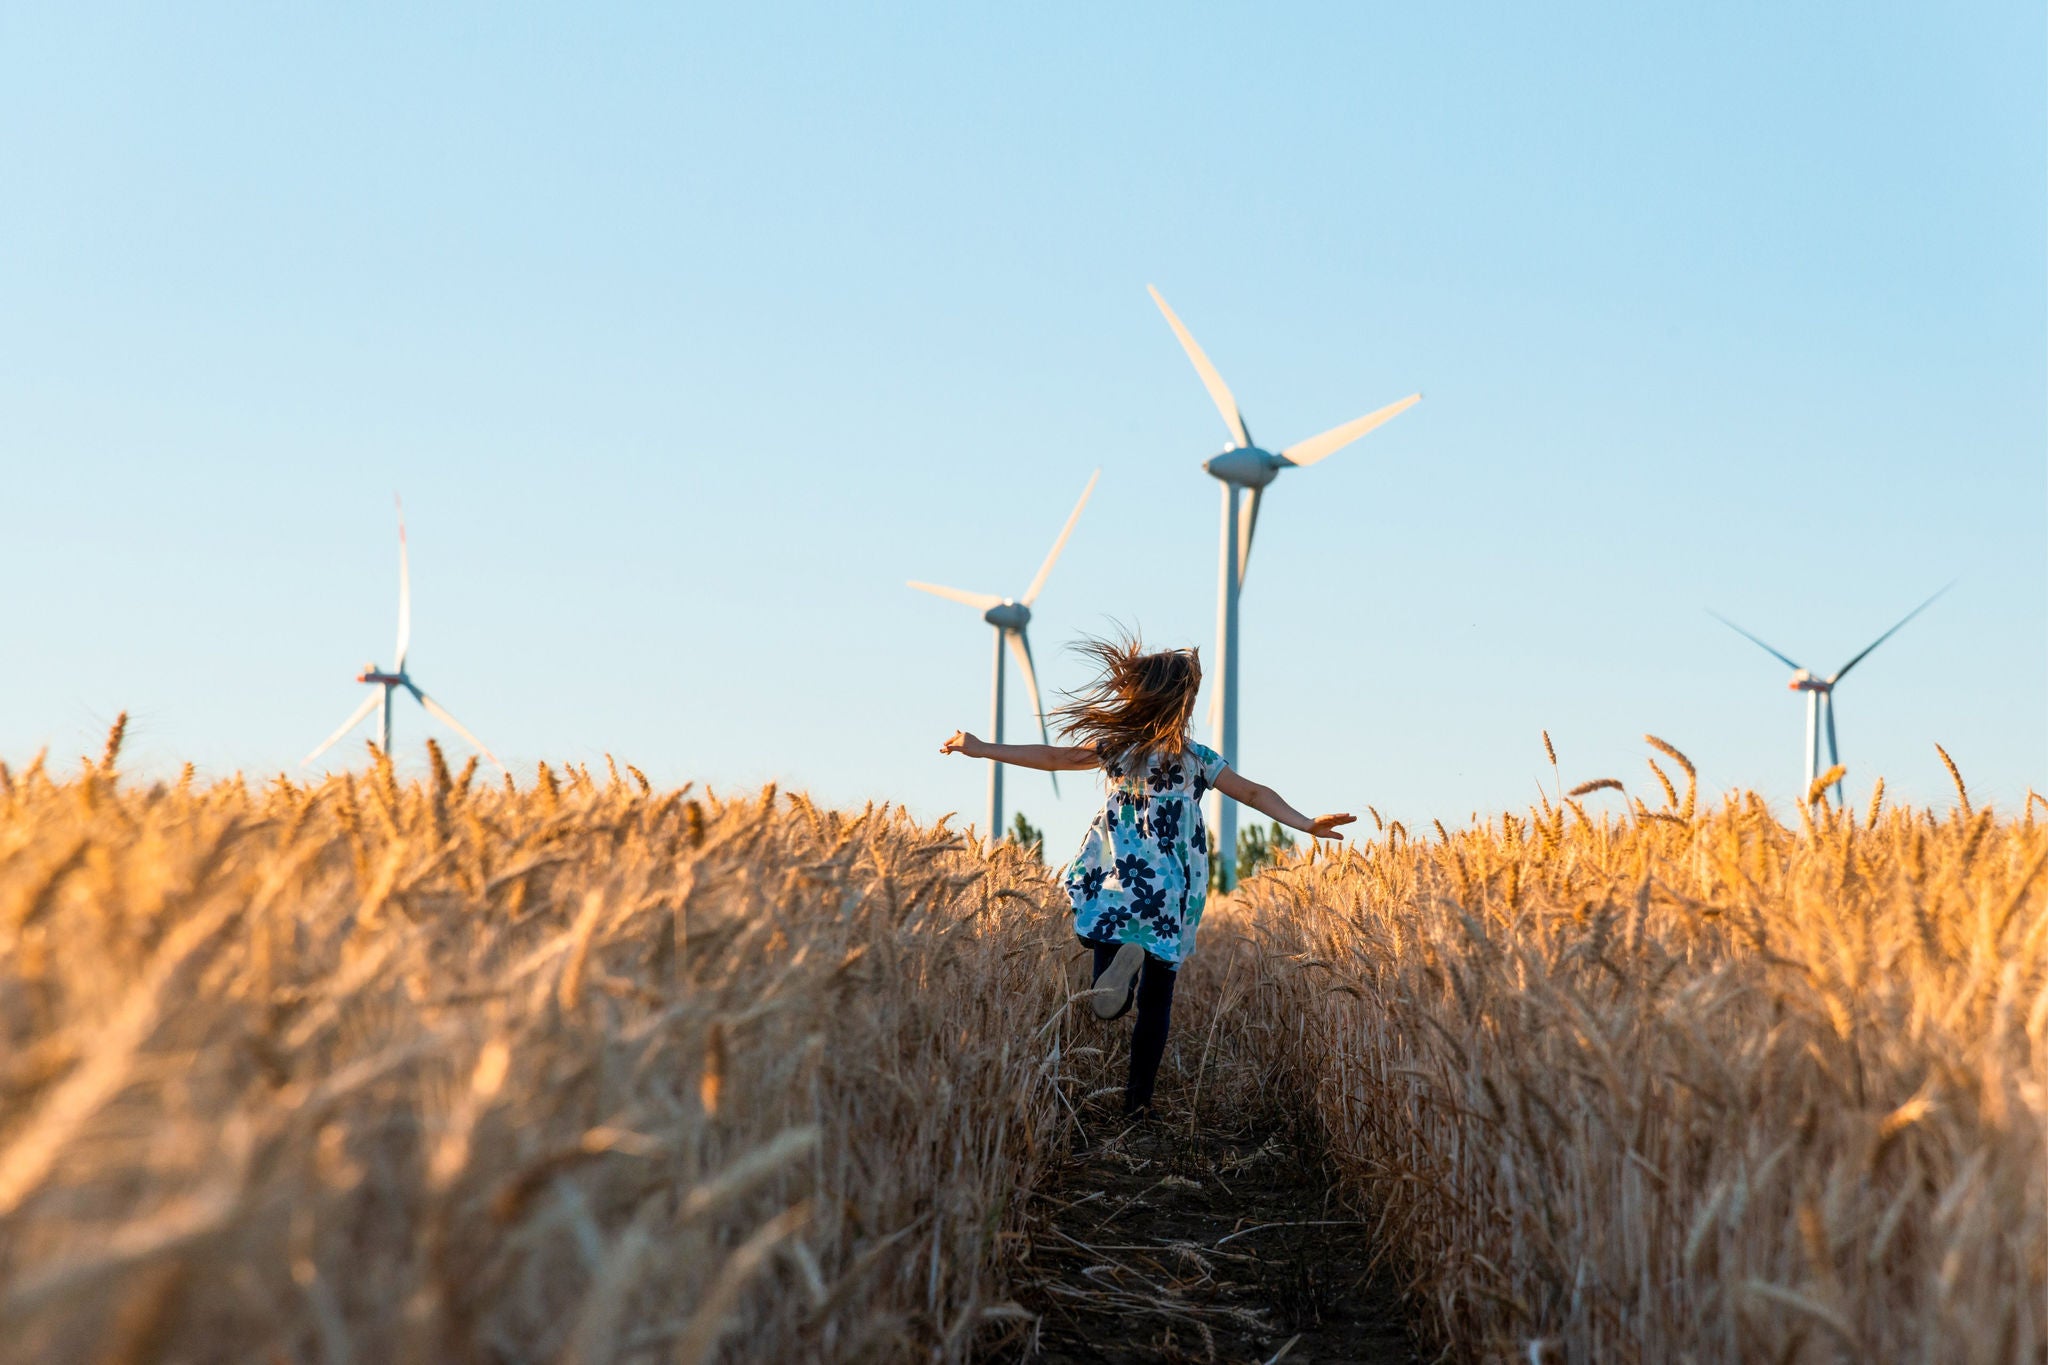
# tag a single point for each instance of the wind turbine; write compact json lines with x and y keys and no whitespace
{"x":1245,"y":470}
{"x":385,"y":683}
{"x":1820,"y":692}
{"x":1010,"y":616}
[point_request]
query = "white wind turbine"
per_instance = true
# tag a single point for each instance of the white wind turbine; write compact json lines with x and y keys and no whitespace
{"x":385,"y":683}
{"x":1820,"y":693}
{"x":1244,"y":470}
{"x":1010,"y":617}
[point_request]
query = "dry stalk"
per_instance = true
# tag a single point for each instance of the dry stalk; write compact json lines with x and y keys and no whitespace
{"x":1955,"y":775}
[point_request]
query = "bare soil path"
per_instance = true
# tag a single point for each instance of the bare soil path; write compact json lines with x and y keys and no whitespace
{"x":1172,"y":1241}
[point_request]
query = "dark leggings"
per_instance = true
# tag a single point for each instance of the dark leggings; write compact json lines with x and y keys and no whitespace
{"x":1153,"y":994}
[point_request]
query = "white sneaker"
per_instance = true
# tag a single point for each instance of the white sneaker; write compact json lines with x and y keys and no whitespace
{"x":1113,"y":988}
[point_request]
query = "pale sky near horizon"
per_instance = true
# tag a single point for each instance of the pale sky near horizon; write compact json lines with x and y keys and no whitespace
{"x":689,"y":335}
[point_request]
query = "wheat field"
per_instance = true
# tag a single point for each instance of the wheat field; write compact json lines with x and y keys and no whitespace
{"x":373,"y":1072}
{"x":579,"y":1070}
{"x":1682,"y":1085}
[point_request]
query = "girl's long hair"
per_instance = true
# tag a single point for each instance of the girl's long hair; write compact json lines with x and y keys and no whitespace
{"x":1141,"y":703}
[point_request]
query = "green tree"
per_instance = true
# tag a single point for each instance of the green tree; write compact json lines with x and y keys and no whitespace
{"x":1257,"y":848}
{"x":1028,"y":836}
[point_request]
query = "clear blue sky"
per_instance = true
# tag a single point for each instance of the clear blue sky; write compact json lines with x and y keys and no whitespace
{"x":689,"y":335}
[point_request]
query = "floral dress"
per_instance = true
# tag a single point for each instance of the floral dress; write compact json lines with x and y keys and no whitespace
{"x":1142,"y":874}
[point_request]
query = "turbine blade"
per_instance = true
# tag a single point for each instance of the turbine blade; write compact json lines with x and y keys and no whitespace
{"x":355,"y":718}
{"x":1248,"y":521}
{"x":1020,"y":650}
{"x":440,"y":713}
{"x":404,"y":593}
{"x":1888,"y":634}
{"x":1045,"y":569}
{"x":1219,"y":392}
{"x":1753,"y":640}
{"x":1336,"y":438}
{"x":980,"y":601}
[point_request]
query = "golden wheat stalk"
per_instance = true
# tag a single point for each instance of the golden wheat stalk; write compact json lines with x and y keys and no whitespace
{"x":1670,"y":792}
{"x":1955,"y":775}
{"x":115,"y":734}
{"x":1817,"y":790}
{"x":1688,"y":807}
{"x":437,"y":765}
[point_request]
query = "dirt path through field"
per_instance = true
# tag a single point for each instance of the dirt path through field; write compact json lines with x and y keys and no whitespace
{"x":1220,"y":1240}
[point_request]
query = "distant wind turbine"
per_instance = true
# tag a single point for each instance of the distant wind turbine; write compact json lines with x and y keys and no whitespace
{"x":1245,"y":470}
{"x":1820,"y":692}
{"x":1010,"y":617}
{"x":385,"y":683}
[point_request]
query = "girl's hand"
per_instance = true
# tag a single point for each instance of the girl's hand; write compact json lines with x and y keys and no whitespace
{"x":1325,"y":826}
{"x":960,"y":743}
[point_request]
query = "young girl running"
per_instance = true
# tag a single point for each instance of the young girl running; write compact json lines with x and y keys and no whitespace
{"x":1141,"y":878}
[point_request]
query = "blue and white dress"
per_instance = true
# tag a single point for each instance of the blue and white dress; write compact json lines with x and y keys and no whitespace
{"x":1142,"y":875}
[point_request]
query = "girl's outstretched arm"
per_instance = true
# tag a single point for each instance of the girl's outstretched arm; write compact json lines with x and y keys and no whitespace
{"x":1051,"y":758}
{"x":1267,"y":802}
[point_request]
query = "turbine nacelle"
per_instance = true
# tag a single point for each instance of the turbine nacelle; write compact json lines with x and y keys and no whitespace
{"x":371,"y":674}
{"x":1008,"y":615}
{"x":1246,"y":466}
{"x":1803,"y":681}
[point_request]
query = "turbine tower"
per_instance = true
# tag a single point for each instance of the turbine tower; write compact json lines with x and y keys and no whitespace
{"x":1820,"y":693}
{"x":1010,"y":616}
{"x":386,"y":683}
{"x":1244,"y":470}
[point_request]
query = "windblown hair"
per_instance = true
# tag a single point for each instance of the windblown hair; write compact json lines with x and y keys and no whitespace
{"x":1139,"y":706}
